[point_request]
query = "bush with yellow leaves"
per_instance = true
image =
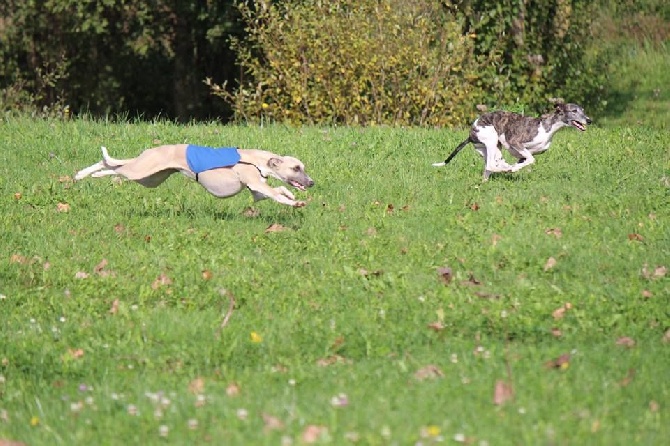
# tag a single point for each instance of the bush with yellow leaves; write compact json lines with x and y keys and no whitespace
{"x":367,"y":62}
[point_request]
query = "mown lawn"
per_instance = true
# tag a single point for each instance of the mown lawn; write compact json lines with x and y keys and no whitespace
{"x":384,"y":312}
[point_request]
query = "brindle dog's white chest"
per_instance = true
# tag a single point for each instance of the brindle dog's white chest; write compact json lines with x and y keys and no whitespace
{"x":540,"y":142}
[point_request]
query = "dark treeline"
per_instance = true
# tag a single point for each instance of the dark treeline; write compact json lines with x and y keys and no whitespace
{"x":146,"y":58}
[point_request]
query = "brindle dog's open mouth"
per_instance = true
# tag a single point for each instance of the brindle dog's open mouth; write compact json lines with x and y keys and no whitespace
{"x":581,"y":126}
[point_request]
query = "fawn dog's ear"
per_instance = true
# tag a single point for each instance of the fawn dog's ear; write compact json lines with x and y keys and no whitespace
{"x":273,"y":163}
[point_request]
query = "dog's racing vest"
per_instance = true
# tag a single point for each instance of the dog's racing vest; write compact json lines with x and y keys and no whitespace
{"x":200,"y":159}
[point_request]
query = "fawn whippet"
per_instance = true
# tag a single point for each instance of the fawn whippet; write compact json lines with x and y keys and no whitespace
{"x":223,"y":172}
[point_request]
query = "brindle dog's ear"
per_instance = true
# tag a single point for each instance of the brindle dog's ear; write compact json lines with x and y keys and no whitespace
{"x":273,"y":163}
{"x":559,"y":103}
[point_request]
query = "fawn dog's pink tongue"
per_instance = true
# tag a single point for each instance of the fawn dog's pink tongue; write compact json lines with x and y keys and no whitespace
{"x":297,"y":185}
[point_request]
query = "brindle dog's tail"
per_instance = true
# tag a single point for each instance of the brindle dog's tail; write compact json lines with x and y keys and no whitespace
{"x":454,"y":153}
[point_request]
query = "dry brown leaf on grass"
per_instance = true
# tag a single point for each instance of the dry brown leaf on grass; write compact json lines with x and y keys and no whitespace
{"x":437,"y":326}
{"x":197,"y":386}
{"x":161,"y":280}
{"x":276,"y":227}
{"x":231,"y":307}
{"x":332,"y":359}
{"x":472,"y":281}
{"x":562,"y":362}
{"x":485,"y":295}
{"x":551,"y":262}
{"x":595,"y":426}
{"x":207,"y":274}
{"x":446,"y":275}
{"x":81,"y":275}
{"x":338,"y":343}
{"x":100,"y":270}
{"x":18,"y":258}
{"x":430,"y":371}
{"x":647,"y":294}
{"x":635,"y":237}
{"x":232,"y":389}
{"x":271,"y":423}
{"x":251,"y":212}
{"x":559,"y":313}
{"x":313,"y":433}
{"x":666,"y":336}
{"x":6,"y":442}
{"x":23,"y":260}
{"x":115,"y":307}
{"x":63,"y":207}
{"x":73,"y":353}
{"x":657,"y":273}
{"x":495,"y":238}
{"x":502,"y":392}
{"x":365,"y":273}
{"x":625,"y":341}
{"x":628,"y":378}
{"x":279,"y":368}
{"x":556,"y":232}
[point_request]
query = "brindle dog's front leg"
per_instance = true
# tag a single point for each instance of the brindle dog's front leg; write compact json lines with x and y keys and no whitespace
{"x":526,"y":159}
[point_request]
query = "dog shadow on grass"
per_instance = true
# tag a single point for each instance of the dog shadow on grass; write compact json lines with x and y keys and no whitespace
{"x":269,"y":216}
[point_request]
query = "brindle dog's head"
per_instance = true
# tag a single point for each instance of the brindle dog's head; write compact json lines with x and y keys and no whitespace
{"x":573,"y":114}
{"x":291,"y":171}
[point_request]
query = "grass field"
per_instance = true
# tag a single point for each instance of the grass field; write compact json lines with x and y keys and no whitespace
{"x":639,"y":87}
{"x":404,"y":305}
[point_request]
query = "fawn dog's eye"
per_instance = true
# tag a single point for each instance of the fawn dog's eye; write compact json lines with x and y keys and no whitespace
{"x":296,"y":168}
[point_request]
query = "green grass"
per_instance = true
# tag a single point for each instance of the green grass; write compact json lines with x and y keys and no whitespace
{"x":640,"y":95}
{"x":354,"y":277}
{"x":341,"y":301}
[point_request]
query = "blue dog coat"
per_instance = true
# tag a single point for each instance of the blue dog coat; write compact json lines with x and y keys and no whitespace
{"x":200,"y":159}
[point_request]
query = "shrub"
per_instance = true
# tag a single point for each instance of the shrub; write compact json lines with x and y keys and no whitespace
{"x":414,"y":62}
{"x":543,"y":49}
{"x":354,"y":62}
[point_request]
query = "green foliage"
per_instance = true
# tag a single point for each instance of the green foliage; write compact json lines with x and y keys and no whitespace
{"x":412,"y":63}
{"x":544,"y":50}
{"x":622,"y":22}
{"x":110,"y":357}
{"x":353,"y":62}
{"x":416,"y":62}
